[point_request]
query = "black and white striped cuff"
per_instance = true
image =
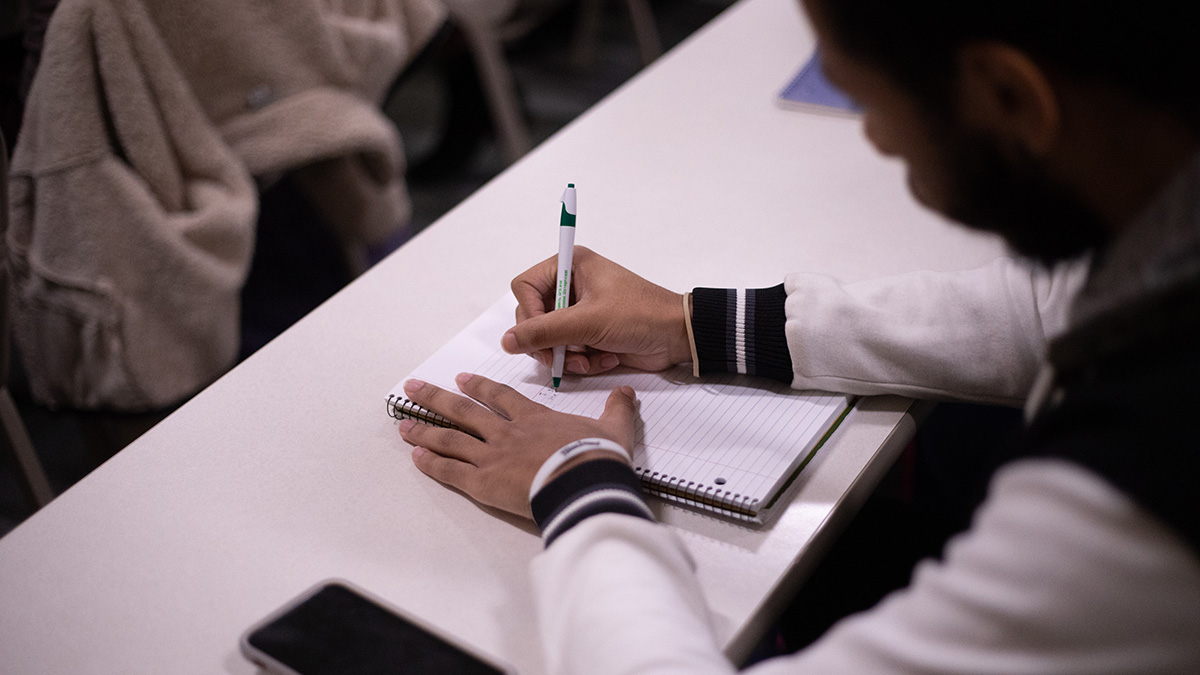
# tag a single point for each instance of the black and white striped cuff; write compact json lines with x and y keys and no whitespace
{"x":741,"y":330}
{"x":589,"y":489}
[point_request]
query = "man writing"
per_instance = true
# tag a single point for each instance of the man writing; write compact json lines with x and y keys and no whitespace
{"x":1073,"y":130}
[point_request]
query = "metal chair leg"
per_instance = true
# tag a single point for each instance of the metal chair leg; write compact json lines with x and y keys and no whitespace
{"x":587,"y":29}
{"x":500,"y":89}
{"x":17,"y":440}
{"x":645,"y":30}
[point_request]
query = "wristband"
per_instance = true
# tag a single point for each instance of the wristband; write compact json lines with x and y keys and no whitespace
{"x":687,"y":320}
{"x":570,"y":450}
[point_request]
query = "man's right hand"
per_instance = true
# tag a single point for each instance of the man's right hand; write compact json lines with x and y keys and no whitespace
{"x":617,"y":317}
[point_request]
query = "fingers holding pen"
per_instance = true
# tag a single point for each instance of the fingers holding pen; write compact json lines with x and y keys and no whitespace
{"x":592,"y":362}
{"x":534,"y":289}
{"x":618,"y":317}
{"x":571,"y":326}
{"x":538,"y":330}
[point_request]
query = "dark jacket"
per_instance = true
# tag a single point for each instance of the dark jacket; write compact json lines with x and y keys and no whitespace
{"x":1126,"y":404}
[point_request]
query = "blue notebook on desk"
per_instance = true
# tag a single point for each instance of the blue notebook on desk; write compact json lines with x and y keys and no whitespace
{"x":810,"y":91}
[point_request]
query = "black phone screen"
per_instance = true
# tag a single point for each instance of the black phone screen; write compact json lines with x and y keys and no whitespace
{"x":338,"y":631}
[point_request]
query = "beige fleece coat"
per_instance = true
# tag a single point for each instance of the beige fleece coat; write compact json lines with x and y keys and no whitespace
{"x":132,"y":199}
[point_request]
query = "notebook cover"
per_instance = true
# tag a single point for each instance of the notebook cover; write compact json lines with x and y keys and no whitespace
{"x":810,"y":91}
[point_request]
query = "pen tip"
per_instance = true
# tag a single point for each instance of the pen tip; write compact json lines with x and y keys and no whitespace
{"x":557,"y":381}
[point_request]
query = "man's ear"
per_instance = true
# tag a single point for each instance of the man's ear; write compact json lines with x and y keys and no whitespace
{"x":1001,"y":90}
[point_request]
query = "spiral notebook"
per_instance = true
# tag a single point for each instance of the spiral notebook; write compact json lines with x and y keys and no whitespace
{"x":728,"y":445}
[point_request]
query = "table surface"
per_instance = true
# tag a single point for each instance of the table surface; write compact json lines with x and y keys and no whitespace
{"x":287,"y":471}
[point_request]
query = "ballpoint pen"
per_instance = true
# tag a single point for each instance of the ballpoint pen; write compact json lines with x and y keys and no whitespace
{"x":566,"y":252}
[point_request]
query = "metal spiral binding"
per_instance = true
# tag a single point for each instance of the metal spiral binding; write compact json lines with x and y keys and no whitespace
{"x":705,"y":497}
{"x":401,"y":408}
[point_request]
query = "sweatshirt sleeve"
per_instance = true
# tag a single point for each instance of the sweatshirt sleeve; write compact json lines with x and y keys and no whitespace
{"x":620,"y":595}
{"x":976,"y":335}
{"x":1060,"y":574}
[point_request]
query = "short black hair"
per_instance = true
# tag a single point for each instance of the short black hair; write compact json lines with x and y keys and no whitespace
{"x":1148,"y":48}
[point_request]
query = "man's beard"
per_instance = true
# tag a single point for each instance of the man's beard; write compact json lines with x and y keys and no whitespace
{"x":1013,"y":197}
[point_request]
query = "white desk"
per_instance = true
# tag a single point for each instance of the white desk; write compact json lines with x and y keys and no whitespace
{"x":288,"y":471}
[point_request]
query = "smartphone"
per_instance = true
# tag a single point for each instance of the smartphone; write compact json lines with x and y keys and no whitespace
{"x":337,"y":629}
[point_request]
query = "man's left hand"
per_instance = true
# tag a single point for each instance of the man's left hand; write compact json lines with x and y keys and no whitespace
{"x":504,"y":441}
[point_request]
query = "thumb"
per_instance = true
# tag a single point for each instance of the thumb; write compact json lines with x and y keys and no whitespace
{"x":561,"y":327}
{"x":620,"y":410}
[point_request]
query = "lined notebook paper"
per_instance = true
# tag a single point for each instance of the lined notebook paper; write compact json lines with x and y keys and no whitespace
{"x":726,"y":444}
